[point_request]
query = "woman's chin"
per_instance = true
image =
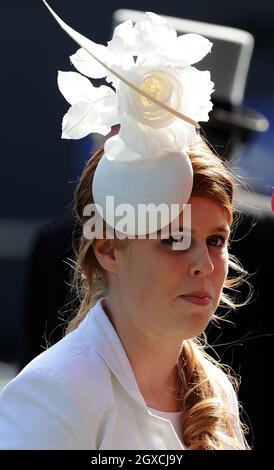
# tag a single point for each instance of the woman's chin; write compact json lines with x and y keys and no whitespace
{"x":196,"y":320}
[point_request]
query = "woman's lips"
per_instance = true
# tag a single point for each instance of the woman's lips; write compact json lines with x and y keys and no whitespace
{"x":196,"y":300}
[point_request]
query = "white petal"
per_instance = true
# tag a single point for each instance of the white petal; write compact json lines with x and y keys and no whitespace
{"x":152,"y":33}
{"x":141,"y":139}
{"x":115,"y":149}
{"x":87,"y":65}
{"x":192,"y":47}
{"x":123,"y":39}
{"x":107,"y":108}
{"x":120,"y":64}
{"x":197,"y":91}
{"x":74,"y":87}
{"x":180,"y":135}
{"x":106,"y":105}
{"x":160,"y":24}
{"x":80,"y":120}
{"x":150,"y":142}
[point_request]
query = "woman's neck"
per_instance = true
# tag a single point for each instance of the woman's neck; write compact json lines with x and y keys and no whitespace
{"x":154,"y":367}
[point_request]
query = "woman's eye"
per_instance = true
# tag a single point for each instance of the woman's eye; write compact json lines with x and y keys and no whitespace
{"x":170,"y":241}
{"x":217,"y":241}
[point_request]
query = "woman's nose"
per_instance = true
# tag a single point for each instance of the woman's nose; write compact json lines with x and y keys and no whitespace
{"x":201,"y":262}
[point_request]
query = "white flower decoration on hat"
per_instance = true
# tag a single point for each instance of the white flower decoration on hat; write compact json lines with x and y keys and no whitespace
{"x":160,"y":97}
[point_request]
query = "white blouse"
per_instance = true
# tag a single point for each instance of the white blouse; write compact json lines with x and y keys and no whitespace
{"x":173,"y":417}
{"x":82,"y":394}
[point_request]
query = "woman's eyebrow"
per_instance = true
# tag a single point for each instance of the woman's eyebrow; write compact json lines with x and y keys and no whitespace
{"x":221,"y":228}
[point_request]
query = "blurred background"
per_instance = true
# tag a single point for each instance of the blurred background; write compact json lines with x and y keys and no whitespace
{"x":39,"y":173}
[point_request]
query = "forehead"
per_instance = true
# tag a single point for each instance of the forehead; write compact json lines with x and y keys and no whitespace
{"x":205,"y":211}
{"x":206,"y":215}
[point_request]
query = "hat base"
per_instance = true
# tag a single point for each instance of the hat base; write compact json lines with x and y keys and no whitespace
{"x":143,"y":196}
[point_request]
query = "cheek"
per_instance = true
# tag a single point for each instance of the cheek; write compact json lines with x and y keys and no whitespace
{"x":139,"y":272}
{"x":156,"y":274}
{"x":171,"y":273}
{"x":221,"y":269}
{"x":225,"y":263}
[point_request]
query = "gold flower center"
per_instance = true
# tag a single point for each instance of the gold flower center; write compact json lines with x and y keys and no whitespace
{"x":153,"y":86}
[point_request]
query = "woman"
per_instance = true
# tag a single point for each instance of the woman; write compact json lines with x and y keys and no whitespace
{"x":130,"y":372}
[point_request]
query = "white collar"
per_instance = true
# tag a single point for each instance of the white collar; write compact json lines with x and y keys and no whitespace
{"x":105,"y":340}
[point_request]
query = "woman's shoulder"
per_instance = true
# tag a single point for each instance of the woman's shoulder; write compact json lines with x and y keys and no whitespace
{"x":52,"y":402}
{"x":72,"y":364}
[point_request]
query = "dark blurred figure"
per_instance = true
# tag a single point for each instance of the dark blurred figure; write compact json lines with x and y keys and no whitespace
{"x":47,"y":289}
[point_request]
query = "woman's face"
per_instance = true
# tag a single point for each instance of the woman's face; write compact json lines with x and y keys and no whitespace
{"x":156,"y":283}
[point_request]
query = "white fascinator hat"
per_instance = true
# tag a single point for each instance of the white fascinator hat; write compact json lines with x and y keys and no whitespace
{"x":158,"y":97}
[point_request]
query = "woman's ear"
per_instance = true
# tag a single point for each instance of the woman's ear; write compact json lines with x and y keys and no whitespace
{"x":104,"y":252}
